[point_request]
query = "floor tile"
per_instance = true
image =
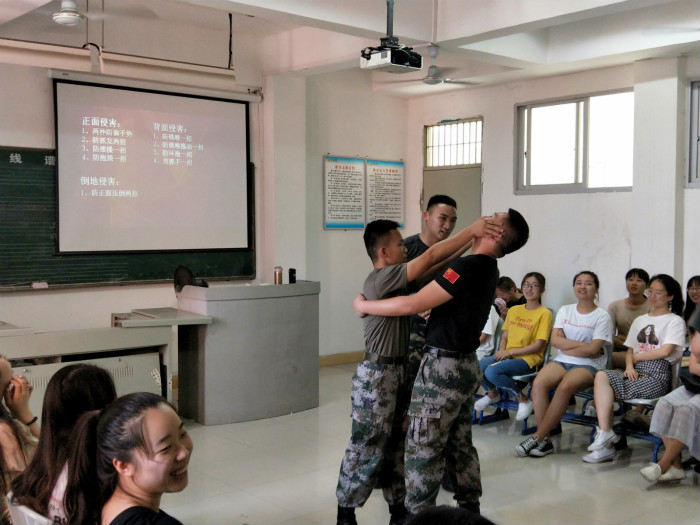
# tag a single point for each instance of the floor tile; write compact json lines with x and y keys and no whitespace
{"x":284,"y":470}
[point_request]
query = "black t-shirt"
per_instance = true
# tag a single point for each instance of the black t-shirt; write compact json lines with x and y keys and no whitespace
{"x":415,"y":247}
{"x":144,"y":516}
{"x":522,"y":300}
{"x":457,"y":324}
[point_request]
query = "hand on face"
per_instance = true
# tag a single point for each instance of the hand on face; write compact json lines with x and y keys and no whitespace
{"x":491,"y":226}
{"x":17,"y":397}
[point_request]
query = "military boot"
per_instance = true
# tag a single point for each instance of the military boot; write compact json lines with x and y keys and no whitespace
{"x":346,"y":516}
{"x":398,"y":514}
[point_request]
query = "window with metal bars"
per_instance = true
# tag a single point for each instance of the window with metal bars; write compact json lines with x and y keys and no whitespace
{"x":454,"y":143}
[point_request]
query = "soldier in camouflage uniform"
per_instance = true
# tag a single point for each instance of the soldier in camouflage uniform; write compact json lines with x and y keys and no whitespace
{"x":440,"y":217}
{"x":379,"y":400}
{"x":442,"y":399}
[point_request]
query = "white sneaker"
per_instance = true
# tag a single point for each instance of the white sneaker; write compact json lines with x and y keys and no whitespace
{"x":602,"y":438}
{"x":600,"y":455}
{"x":484,"y":401}
{"x":524,"y":411}
{"x":651,"y":472}
{"x":672,"y":474}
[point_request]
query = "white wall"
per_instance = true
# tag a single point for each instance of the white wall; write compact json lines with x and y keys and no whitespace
{"x":593,"y":231}
{"x":344,"y":116}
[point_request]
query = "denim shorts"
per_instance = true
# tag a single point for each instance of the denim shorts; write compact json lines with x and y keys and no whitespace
{"x":569,"y":366}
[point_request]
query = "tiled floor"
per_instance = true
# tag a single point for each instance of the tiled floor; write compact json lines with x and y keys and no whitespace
{"x":284,"y":471}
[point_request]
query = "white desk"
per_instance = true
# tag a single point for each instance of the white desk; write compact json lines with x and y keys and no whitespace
{"x":170,"y":317}
{"x":7,"y":329}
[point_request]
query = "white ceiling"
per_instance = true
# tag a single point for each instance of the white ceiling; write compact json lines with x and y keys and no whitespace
{"x":481,"y":41}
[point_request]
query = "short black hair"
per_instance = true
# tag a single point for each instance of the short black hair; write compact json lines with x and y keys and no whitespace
{"x":375,"y":232}
{"x":516,"y":232}
{"x":506,"y":284}
{"x":638,"y":272}
{"x":441,"y":199}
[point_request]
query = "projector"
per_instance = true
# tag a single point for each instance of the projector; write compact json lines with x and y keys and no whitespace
{"x":391,"y":59}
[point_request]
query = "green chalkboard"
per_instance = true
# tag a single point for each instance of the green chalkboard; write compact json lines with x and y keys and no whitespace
{"x":28,"y":238}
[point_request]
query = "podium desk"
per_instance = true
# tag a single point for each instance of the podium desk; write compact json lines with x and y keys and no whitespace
{"x":257,"y":359}
{"x":179,"y":322}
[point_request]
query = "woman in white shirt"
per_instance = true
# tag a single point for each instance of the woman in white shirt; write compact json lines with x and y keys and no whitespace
{"x":654,"y":342}
{"x":579,"y":334}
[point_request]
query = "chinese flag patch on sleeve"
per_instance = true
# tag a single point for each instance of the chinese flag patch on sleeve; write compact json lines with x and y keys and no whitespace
{"x":451,"y":275}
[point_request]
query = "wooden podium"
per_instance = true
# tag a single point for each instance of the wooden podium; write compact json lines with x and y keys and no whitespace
{"x":258,"y":358}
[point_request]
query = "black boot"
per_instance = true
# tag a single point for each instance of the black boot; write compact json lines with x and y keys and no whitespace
{"x":346,"y":516}
{"x":447,"y":482}
{"x":398,"y":514}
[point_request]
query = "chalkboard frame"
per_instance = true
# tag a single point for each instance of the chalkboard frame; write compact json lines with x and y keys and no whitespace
{"x":28,"y":251}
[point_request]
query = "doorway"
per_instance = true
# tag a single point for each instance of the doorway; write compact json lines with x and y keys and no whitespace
{"x":462,"y":184}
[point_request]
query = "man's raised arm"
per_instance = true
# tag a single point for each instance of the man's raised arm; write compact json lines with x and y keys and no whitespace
{"x":447,"y":249}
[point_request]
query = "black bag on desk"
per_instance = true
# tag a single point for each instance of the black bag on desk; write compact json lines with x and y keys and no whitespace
{"x":691,"y":383}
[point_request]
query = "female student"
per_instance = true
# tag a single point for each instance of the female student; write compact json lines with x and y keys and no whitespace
{"x":692,"y":297}
{"x":19,"y":430}
{"x":624,"y":311}
{"x":137,"y":449}
{"x":523,"y":341}
{"x":654,"y":342}
{"x":580,"y":332}
{"x":72,"y":391}
{"x":508,"y":294}
{"x":676,"y":420}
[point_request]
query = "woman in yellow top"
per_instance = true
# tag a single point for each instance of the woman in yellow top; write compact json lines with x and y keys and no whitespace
{"x":521,"y":350}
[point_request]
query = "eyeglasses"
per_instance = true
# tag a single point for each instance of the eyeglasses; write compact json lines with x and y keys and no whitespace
{"x":534,"y":286}
{"x":694,"y":289}
{"x":656,"y":293}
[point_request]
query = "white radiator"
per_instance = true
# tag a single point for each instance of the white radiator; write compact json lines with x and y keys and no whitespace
{"x":131,"y":373}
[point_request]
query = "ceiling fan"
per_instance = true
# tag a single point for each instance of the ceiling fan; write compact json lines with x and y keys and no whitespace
{"x":69,"y":15}
{"x":436,"y":75}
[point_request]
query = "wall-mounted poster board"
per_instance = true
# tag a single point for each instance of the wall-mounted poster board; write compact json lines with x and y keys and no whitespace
{"x":344,"y":193}
{"x":28,"y":251}
{"x":385,"y":191}
{"x":358,"y":190}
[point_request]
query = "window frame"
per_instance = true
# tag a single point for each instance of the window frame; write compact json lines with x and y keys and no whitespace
{"x":693,"y":173}
{"x":480,"y":143}
{"x":524,"y":110}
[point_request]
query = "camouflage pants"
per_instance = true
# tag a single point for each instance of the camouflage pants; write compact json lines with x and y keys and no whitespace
{"x":377,"y":443}
{"x":415,"y":352}
{"x":440,"y":431}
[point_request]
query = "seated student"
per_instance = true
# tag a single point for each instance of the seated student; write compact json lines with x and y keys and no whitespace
{"x":676,"y":421}
{"x":655,"y":341}
{"x":123,"y":459}
{"x":524,"y":339}
{"x":579,"y":334}
{"x":19,"y":430}
{"x":624,"y":311}
{"x":488,"y":335}
{"x":507,"y":292}
{"x":692,"y":299}
{"x":72,"y":391}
